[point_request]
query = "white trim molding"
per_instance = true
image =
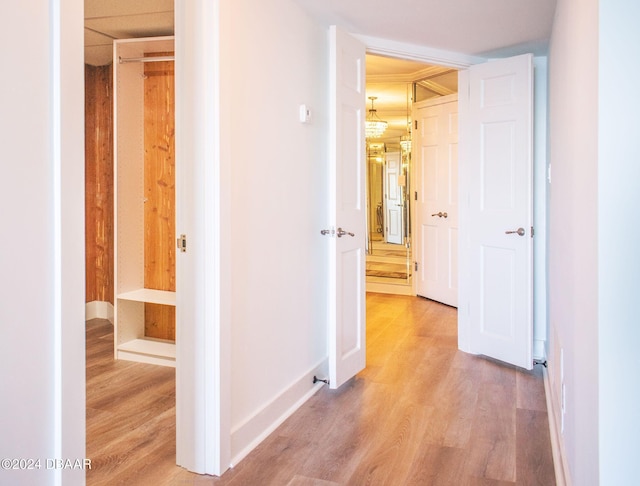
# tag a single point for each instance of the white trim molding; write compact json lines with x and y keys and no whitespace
{"x":202,"y":356}
{"x":98,"y":310}
{"x":563,"y":477}
{"x":66,"y":83}
{"x":412,"y":52}
{"x":253,"y":430}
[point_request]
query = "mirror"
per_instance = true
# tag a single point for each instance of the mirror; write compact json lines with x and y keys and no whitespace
{"x":389,"y":222}
{"x":388,"y":187}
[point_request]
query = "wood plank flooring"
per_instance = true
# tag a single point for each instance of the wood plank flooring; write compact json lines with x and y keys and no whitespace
{"x":421,"y":413}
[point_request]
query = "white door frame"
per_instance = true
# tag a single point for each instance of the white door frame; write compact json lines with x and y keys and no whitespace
{"x":66,"y":124}
{"x":202,"y":402}
{"x":427,"y":55}
{"x":203,"y":429}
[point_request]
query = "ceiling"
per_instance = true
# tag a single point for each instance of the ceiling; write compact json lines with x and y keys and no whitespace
{"x":391,"y":82}
{"x":487,"y":28}
{"x":490,"y":28}
{"x":106,"y":20}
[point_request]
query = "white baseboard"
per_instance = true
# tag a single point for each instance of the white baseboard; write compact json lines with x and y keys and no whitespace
{"x":385,"y":288}
{"x":563,"y":478}
{"x":247,"y":435}
{"x":99,"y":310}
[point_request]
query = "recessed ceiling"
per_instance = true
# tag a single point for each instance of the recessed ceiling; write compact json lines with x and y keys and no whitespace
{"x":106,"y":20}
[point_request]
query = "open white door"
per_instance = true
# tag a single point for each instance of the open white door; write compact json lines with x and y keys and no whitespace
{"x":347,"y":209}
{"x":436,"y":182}
{"x":393,"y":199}
{"x":496,"y":217}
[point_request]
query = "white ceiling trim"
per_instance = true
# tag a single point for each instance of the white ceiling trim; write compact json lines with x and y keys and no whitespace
{"x":427,"y":55}
{"x":436,"y":88}
{"x":426,"y":73}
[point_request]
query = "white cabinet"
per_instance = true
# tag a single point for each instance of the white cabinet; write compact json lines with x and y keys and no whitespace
{"x":144,"y":200}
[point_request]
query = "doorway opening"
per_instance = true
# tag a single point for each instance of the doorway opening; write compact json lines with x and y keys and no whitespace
{"x":396,"y":85}
{"x":198,"y":432}
{"x":111,"y":405}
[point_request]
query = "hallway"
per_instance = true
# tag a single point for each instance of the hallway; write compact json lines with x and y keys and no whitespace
{"x":421,"y":413}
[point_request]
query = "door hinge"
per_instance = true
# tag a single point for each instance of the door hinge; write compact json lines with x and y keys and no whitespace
{"x":415,"y":124}
{"x":532,"y":232}
{"x":182,"y":243}
{"x":415,"y":266}
{"x":416,"y":195}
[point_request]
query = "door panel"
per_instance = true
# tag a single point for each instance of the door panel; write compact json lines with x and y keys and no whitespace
{"x":498,"y":266}
{"x":498,"y":202}
{"x":347,"y":208}
{"x":351,"y":338}
{"x":436,"y":141}
{"x":394,"y":231}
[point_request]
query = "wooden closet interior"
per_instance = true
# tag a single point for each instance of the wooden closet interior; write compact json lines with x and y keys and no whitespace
{"x":130,"y":196}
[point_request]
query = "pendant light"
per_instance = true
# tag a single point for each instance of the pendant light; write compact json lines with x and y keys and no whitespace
{"x":374,"y":126}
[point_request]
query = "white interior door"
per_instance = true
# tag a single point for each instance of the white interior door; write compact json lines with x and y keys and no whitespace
{"x":436,"y":168}
{"x":496,"y":209}
{"x":393,"y":199}
{"x":347,"y":208}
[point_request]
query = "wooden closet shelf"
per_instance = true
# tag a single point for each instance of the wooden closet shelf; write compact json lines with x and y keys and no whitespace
{"x":151,"y":296}
{"x":148,"y":351}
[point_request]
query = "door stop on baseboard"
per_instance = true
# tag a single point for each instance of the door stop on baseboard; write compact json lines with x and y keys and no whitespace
{"x":542,"y":362}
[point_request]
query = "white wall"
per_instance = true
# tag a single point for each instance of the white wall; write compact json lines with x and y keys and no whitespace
{"x":573,"y":237}
{"x":540,"y":201}
{"x":275,"y":58}
{"x":27,"y":271}
{"x":594,"y":258}
{"x":618,"y":238}
{"x":42,"y":239}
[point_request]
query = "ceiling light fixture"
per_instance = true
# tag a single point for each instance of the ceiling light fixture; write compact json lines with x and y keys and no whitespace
{"x":374,"y":126}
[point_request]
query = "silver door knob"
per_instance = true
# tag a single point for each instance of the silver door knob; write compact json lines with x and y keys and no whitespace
{"x":440,"y":214}
{"x":519,"y":232}
{"x":340,"y":232}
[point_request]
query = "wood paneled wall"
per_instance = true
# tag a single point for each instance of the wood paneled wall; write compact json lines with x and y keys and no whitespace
{"x":159,"y":188}
{"x":159,"y":133}
{"x":99,"y":183}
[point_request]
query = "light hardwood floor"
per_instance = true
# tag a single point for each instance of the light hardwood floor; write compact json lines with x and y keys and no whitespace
{"x":421,"y":413}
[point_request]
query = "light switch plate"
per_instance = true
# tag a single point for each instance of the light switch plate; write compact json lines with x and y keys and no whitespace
{"x":305,"y":114}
